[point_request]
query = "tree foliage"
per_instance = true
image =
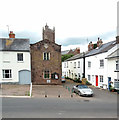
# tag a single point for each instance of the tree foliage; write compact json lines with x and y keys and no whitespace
{"x":65,"y":57}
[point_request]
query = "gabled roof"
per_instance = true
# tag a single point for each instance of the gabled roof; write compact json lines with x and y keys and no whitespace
{"x":103,"y":48}
{"x":45,"y":40}
{"x":115,"y":54}
{"x":14,"y":44}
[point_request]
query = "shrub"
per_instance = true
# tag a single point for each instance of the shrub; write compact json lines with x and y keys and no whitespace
{"x":77,"y":80}
{"x":88,"y":83}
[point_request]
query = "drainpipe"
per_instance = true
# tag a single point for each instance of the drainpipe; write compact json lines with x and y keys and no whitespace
{"x":83,"y":64}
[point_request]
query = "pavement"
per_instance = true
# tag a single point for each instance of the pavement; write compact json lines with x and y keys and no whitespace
{"x":52,"y":91}
{"x":38,"y":91}
{"x":49,"y":91}
{"x":10,"y":90}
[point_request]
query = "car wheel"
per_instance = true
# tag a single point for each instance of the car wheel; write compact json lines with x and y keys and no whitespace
{"x":79,"y":93}
{"x":73,"y":91}
{"x":92,"y":95}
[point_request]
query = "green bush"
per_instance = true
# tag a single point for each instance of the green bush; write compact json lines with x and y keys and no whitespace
{"x":77,"y":80}
{"x":88,"y":83}
{"x":65,"y":57}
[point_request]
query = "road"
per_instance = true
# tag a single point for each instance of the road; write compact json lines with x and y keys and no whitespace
{"x":56,"y":108}
{"x":102,"y":105}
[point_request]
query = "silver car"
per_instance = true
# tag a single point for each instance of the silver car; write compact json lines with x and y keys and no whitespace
{"x":82,"y":90}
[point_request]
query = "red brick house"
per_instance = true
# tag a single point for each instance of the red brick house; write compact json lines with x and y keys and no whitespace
{"x":46,"y":59}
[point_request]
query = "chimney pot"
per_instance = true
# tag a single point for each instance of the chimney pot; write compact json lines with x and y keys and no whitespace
{"x":11,"y":34}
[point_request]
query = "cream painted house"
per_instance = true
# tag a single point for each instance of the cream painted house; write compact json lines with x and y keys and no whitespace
{"x":15,"y":65}
{"x":73,"y":67}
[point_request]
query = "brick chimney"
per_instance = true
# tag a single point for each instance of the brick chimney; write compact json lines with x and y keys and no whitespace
{"x":11,"y":34}
{"x":117,"y":40}
{"x":78,"y":50}
{"x":99,"y":42}
{"x":90,"y":46}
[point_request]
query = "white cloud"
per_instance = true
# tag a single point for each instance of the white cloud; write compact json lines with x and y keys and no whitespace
{"x":71,"y":18}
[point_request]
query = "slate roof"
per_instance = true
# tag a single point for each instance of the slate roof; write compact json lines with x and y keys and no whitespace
{"x":14,"y":44}
{"x":115,"y":54}
{"x":66,"y":51}
{"x":103,"y":48}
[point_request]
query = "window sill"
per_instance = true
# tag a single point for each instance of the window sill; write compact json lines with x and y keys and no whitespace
{"x":101,"y":68}
{"x":7,"y":79}
{"x":20,"y":61}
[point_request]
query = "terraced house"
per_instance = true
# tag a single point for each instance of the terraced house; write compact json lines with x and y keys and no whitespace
{"x":46,"y":59}
{"x":101,"y":65}
{"x":15,"y":65}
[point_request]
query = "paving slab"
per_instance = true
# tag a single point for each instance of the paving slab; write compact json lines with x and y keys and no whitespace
{"x":15,"y":90}
{"x":52,"y":91}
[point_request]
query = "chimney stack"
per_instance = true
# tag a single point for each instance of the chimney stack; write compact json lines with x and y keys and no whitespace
{"x":99,"y":42}
{"x":11,"y":34}
{"x":90,"y":46}
{"x":117,"y":40}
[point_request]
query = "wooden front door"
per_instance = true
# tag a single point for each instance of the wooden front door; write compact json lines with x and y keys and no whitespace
{"x":96,"y":80}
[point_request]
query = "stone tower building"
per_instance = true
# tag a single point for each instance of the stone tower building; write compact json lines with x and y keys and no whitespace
{"x":48,"y":33}
{"x":46,"y":59}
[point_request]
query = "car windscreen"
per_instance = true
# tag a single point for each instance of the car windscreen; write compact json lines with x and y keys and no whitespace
{"x":83,"y":87}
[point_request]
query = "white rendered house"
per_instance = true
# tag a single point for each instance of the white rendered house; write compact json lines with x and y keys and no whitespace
{"x":97,"y":66}
{"x":113,"y":67}
{"x":15,"y":65}
{"x":73,"y":67}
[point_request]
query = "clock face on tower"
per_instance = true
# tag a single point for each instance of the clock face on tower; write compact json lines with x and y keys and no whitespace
{"x":45,"y":46}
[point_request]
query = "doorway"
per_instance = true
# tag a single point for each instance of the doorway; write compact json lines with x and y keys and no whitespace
{"x":96,"y":80}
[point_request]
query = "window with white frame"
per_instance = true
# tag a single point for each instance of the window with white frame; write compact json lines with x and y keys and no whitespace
{"x":46,"y":74}
{"x":67,"y":64}
{"x":19,"y":57}
{"x":117,"y":65}
{"x":64,"y":65}
{"x":89,"y":64}
{"x":89,"y":78}
{"x":7,"y":73}
{"x":78,"y":64}
{"x":74,"y":64}
{"x":101,"y":78}
{"x":46,"y":56}
{"x":101,"y":63}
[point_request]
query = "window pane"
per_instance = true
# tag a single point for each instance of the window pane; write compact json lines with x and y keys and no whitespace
{"x":47,"y":56}
{"x":117,"y":65}
{"x":44,"y":56}
{"x":7,"y":74}
{"x":46,"y":74}
{"x":20,"y":56}
{"x":78,"y":64}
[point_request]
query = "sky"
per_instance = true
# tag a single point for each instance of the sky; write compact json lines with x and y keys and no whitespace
{"x":76,"y":22}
